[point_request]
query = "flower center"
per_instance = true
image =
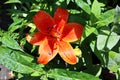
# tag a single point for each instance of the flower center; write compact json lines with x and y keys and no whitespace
{"x":55,"y":32}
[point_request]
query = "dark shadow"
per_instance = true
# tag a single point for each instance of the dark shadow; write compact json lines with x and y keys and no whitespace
{"x":5,"y":19}
{"x":107,"y":75}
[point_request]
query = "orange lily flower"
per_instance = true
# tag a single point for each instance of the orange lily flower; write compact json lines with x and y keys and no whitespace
{"x":54,"y":36}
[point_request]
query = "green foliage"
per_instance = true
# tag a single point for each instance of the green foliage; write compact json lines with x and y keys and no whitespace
{"x":59,"y":74}
{"x":8,"y":41}
{"x":15,"y":60}
{"x":12,"y":1}
{"x":114,"y":63}
{"x":17,"y":23}
{"x":100,"y":42}
{"x":83,"y":5}
{"x":107,"y":41}
{"x":106,"y":18}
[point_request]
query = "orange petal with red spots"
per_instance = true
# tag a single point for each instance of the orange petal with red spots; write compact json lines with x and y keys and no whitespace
{"x":46,"y":51}
{"x":43,"y":21}
{"x":60,"y":14}
{"x":36,"y":39}
{"x":67,"y":53}
{"x":72,"y":32}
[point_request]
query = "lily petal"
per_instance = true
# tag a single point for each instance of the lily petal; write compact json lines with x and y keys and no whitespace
{"x":61,"y":26}
{"x":43,"y":21}
{"x":67,"y":53}
{"x":60,"y":14}
{"x":47,"y":51}
{"x":36,"y":39}
{"x":72,"y":32}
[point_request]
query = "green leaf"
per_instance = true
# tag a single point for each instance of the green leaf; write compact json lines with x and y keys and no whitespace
{"x":96,"y":8}
{"x":16,"y":24}
{"x":101,"y":41}
{"x":14,"y":60}
{"x":10,"y":42}
{"x":18,"y":61}
{"x":117,"y":14}
{"x":83,"y":5}
{"x":112,"y":40}
{"x":73,"y":11}
{"x":68,"y":1}
{"x":114,"y":61}
{"x":88,"y":30}
{"x":12,"y":1}
{"x":60,"y":74}
{"x":116,"y":25}
{"x":95,"y":11}
{"x":107,"y":41}
{"x":35,"y":74}
{"x":106,"y":18}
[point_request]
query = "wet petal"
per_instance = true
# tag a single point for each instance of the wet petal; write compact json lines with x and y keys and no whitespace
{"x":47,"y":51}
{"x":36,"y":39}
{"x":72,"y":32}
{"x":43,"y":21}
{"x":60,"y":14}
{"x":67,"y":53}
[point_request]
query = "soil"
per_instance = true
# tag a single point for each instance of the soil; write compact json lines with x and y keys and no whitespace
{"x":5,"y":74}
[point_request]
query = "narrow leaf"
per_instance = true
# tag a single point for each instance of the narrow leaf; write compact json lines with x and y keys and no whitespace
{"x":106,"y":18}
{"x":83,"y":5}
{"x":96,"y":8}
{"x":10,"y":42}
{"x":59,"y":74}
{"x":16,"y":24}
{"x":12,"y":1}
{"x":96,"y":11}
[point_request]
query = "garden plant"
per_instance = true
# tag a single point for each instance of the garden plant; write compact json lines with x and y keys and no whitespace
{"x":60,"y":39}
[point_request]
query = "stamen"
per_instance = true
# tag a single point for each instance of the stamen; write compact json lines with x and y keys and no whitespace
{"x":55,"y":31}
